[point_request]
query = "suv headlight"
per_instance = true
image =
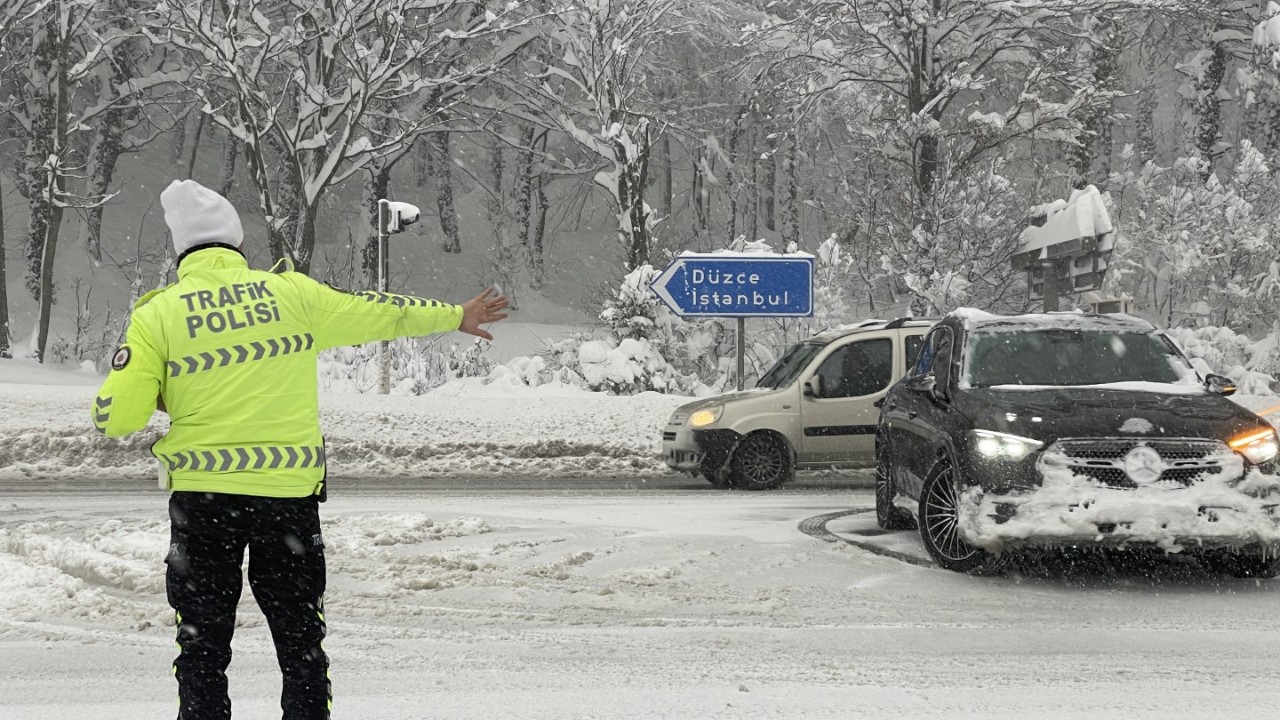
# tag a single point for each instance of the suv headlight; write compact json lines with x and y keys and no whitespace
{"x":1003,"y":446}
{"x":1257,"y":447}
{"x":705,"y":416}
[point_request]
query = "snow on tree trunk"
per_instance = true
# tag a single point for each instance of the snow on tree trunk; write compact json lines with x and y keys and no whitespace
{"x":1092,"y":153}
{"x":628,"y":181}
{"x":230,"y":151}
{"x":737,"y":181}
{"x":105,"y":152}
{"x":753,"y":186}
{"x":178,"y":141}
{"x":1208,"y":103}
{"x":40,"y":165}
{"x":4,"y":291}
{"x":442,"y":162}
{"x":768,"y":188}
{"x":540,"y":224}
{"x":422,"y":172}
{"x":523,"y":189}
{"x":791,"y":193}
{"x":1146,"y":130}
{"x":195,"y":147}
{"x":377,"y":185}
{"x":668,"y":187}
{"x":304,"y":244}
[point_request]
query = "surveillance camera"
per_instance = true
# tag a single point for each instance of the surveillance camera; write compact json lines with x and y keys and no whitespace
{"x":400,"y":215}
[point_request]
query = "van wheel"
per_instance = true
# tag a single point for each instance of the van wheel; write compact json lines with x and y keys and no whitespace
{"x":762,"y":461}
{"x":940,"y":527}
{"x":888,"y":515}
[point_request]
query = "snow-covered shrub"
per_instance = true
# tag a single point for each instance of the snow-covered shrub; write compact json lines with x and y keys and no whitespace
{"x":1252,"y":364}
{"x":417,"y":365}
{"x":1196,"y":248}
{"x":959,"y":249}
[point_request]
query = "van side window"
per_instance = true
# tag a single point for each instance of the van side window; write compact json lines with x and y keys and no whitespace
{"x":937,"y":346}
{"x":925,"y":358}
{"x":911,"y":351}
{"x":857,"y":369}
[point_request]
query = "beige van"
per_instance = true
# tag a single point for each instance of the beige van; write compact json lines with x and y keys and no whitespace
{"x":817,"y":407}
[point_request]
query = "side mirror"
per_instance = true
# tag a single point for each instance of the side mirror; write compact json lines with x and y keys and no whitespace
{"x":1219,"y":384}
{"x":813,"y":387}
{"x":926,"y":384}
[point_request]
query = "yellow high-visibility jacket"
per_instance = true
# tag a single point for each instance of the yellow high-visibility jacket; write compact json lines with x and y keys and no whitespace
{"x":232,"y":354}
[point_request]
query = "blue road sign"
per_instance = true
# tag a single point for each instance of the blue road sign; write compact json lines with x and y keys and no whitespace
{"x":717,"y":285}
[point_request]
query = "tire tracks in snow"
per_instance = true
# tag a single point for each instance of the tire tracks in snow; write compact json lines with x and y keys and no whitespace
{"x":816,"y":527}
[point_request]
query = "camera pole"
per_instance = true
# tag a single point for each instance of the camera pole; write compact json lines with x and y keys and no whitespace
{"x":384,"y":348}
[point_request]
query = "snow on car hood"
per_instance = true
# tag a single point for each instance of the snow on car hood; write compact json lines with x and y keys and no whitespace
{"x":1102,"y":411}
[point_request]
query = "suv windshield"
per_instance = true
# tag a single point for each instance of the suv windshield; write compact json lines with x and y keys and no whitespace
{"x":785,"y":370}
{"x":1070,"y":357}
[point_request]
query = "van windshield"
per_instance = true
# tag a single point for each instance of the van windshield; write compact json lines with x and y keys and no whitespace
{"x":787,"y":367}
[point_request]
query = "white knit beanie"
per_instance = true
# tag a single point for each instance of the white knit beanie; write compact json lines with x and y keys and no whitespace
{"x":197,"y":215}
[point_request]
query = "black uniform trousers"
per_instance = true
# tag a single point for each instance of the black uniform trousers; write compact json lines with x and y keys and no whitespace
{"x":209,"y":535}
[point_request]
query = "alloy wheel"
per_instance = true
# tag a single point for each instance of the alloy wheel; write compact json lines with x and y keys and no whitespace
{"x":941,"y":519}
{"x":759,"y":463}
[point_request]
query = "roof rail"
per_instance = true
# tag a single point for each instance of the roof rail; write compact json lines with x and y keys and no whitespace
{"x":901,"y":322}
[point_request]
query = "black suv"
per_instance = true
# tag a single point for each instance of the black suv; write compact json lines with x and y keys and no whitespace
{"x":1069,"y":430}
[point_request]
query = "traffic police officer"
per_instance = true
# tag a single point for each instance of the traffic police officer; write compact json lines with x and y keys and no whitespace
{"x":230,"y":354}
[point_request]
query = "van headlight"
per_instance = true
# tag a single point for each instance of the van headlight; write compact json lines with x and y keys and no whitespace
{"x":1003,"y":446}
{"x":705,"y":416}
{"x":1257,"y":447}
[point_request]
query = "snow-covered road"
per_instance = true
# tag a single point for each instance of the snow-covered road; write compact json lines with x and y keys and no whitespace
{"x":664,"y":605}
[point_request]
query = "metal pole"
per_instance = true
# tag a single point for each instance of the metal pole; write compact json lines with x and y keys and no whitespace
{"x":384,"y":348}
{"x":742,"y":351}
{"x":1051,"y":290}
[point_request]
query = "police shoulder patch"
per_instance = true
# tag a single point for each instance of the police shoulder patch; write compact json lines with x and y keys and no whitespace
{"x":121,"y":358}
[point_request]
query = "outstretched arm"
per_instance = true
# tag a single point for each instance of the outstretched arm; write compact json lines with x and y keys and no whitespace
{"x":344,"y":318}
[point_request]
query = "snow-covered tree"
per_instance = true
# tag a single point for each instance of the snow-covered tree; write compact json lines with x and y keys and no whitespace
{"x":1193,"y":248}
{"x":301,"y":83}
{"x":61,"y":48}
{"x":592,"y":88}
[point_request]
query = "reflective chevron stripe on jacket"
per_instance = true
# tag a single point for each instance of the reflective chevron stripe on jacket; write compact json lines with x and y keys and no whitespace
{"x":246,"y":458}
{"x":235,"y":354}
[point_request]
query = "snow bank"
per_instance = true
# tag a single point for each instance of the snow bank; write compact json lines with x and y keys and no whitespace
{"x":464,"y":428}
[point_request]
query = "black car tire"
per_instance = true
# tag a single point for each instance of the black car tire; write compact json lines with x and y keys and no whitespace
{"x":939,"y":527}
{"x":1244,"y":565}
{"x":888,"y":515}
{"x":762,"y":461}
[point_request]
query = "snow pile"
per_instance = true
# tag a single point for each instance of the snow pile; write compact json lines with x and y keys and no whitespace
{"x":1068,"y":508}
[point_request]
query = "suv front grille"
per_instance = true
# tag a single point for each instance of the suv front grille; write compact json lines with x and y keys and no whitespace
{"x":1186,"y":461}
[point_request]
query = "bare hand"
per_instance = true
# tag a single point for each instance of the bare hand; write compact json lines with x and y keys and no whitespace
{"x":482,"y":309}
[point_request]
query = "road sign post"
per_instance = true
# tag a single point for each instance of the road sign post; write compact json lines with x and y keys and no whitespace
{"x":739,"y":286}
{"x":392,"y":218}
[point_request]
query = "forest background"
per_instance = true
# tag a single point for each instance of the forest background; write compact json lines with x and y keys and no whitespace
{"x":566,"y":150}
